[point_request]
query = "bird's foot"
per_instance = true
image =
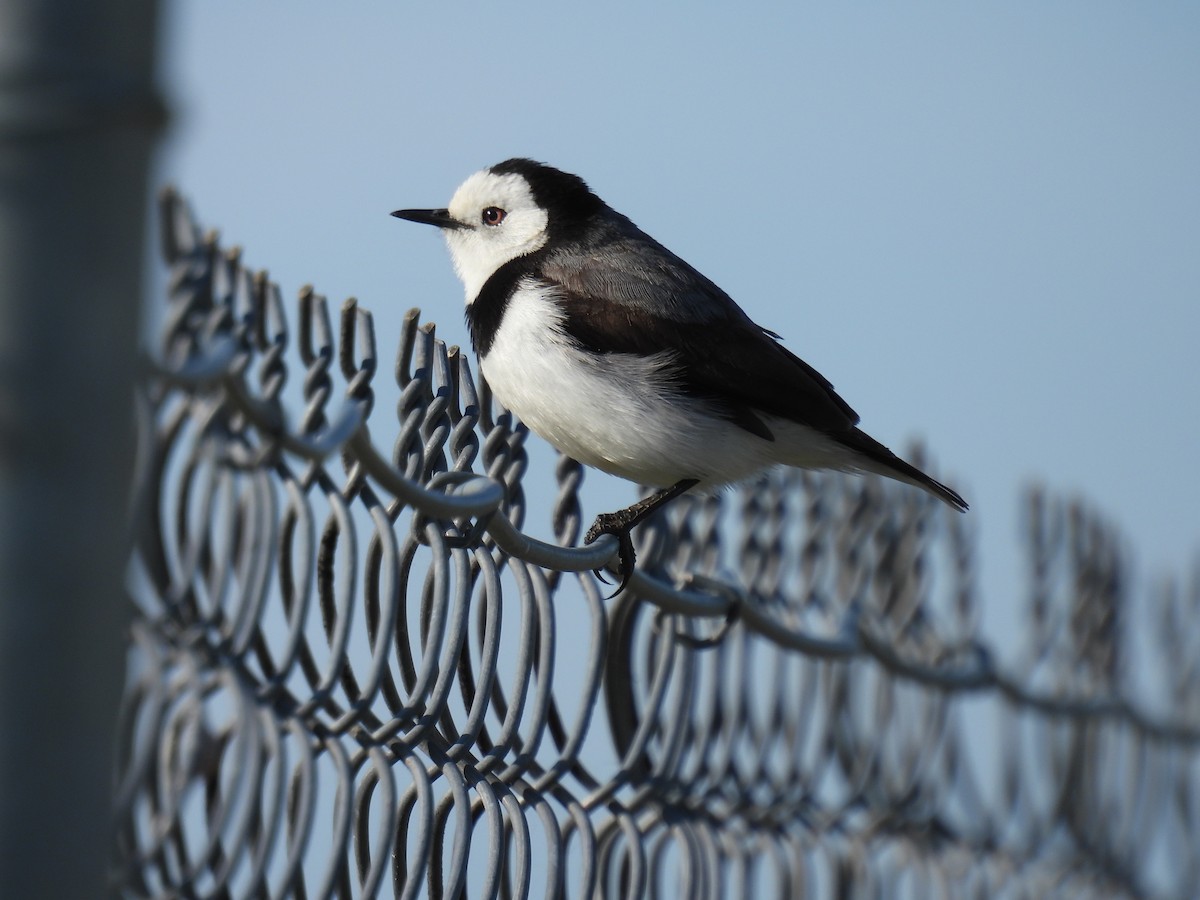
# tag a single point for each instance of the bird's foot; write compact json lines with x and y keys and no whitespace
{"x":619,"y":525}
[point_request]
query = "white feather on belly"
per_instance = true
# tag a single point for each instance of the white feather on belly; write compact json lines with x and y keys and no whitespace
{"x":620,"y":413}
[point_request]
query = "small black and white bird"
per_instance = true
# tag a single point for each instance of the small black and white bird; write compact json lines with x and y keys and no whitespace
{"x":626,"y":358}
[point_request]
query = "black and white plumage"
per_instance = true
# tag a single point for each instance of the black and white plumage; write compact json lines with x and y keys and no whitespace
{"x":626,"y":358}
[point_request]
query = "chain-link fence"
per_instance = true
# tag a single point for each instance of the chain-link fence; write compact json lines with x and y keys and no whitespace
{"x":354,"y":672}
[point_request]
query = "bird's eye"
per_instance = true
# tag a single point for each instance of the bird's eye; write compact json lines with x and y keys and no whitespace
{"x":493,"y":215}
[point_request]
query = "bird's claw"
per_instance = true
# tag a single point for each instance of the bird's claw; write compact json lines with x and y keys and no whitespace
{"x":607,"y":523}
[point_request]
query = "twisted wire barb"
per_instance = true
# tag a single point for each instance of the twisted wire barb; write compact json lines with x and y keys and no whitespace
{"x":356,"y":674}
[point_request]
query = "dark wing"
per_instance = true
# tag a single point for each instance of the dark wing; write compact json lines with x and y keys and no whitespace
{"x":628,"y":294}
{"x":616,"y":262}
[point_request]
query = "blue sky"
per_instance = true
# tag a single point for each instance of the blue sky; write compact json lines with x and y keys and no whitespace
{"x":981,"y":222}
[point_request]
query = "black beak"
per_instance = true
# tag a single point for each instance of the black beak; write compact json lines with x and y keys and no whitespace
{"x":439,"y":217}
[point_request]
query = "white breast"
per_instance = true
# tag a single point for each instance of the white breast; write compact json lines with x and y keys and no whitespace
{"x":616,"y":412}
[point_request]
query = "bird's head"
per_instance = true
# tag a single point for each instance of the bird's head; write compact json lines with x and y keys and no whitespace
{"x":505,"y":212}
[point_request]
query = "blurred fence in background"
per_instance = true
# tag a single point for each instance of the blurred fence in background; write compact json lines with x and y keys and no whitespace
{"x":354,"y":673}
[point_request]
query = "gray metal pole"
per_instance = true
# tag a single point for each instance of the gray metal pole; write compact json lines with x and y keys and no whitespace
{"x":78,"y":119}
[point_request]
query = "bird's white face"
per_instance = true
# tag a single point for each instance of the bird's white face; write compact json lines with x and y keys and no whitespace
{"x":500,"y":221}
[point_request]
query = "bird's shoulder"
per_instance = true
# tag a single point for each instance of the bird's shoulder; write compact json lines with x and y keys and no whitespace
{"x":614,"y":261}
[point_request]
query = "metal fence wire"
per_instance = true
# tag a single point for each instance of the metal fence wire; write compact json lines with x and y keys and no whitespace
{"x":355,"y":672}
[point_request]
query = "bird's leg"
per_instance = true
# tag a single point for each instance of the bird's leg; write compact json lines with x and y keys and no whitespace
{"x":619,"y":524}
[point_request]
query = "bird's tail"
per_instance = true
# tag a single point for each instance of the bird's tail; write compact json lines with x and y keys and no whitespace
{"x":876,"y":458}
